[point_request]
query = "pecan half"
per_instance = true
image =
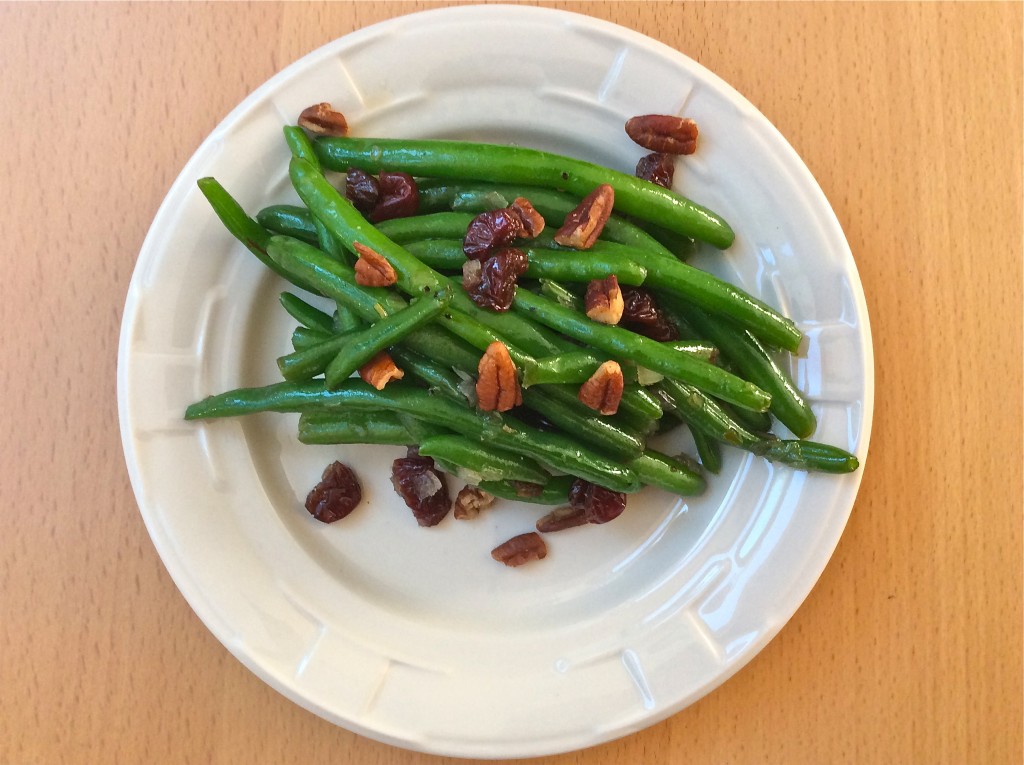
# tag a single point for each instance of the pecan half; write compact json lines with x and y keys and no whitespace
{"x":521,"y":549}
{"x":470,"y":501}
{"x":603,"y":301}
{"x":372,"y":269}
{"x":531,"y":220}
{"x":663,"y":133}
{"x":380,"y":370}
{"x":562,"y":518}
{"x":322,"y":119}
{"x":497,"y":388}
{"x":584,"y":225}
{"x":603,"y":391}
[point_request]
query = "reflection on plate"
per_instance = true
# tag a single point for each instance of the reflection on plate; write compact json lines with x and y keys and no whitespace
{"x":415,"y":636}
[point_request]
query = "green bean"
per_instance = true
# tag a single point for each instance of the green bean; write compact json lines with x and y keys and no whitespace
{"x":513,"y":164}
{"x":757,"y":365}
{"x":558,"y":451}
{"x":364,"y":344}
{"x":307,"y":363}
{"x":288,"y":220}
{"x":567,"y":413}
{"x":447,"y":255}
{"x":344,"y":320}
{"x":755,"y":422}
{"x":579,"y":366}
{"x":304,"y":337}
{"x":437,"y":377}
{"x":649,"y":353}
{"x":707,"y":450}
{"x":483,"y":463}
{"x":300,"y":145}
{"x":243,"y":228}
{"x":668,"y":473}
{"x":353,"y":428}
{"x":681,"y":247}
{"x":700,"y":411}
{"x":709,"y":293}
{"x":416,"y":228}
{"x":555,"y":492}
{"x":305,"y":314}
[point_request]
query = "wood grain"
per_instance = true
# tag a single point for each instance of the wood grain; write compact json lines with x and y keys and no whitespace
{"x":909,"y":648}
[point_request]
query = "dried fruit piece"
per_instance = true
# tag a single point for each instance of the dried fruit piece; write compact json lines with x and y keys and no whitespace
{"x":584,"y":225}
{"x":380,"y":370}
{"x":663,"y":133}
{"x":490,"y":230}
{"x":599,"y":504}
{"x":491,"y":284}
{"x":603,"y":300}
{"x":497,"y":388}
{"x":336,"y":495}
{"x":423,"y":488}
{"x":322,"y":119}
{"x":603,"y":391}
{"x":362,"y":190}
{"x":641,"y":314}
{"x":562,"y":518}
{"x":399,"y":197}
{"x":531,"y":222}
{"x":657,"y":168}
{"x":470,"y":501}
{"x":372,"y":268}
{"x":527,"y":488}
{"x":521,"y":549}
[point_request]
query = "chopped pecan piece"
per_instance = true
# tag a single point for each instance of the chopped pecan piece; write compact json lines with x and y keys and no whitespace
{"x":372,"y":269}
{"x":603,"y":391}
{"x":380,"y":370}
{"x":531,"y":221}
{"x":663,"y":133}
{"x":584,"y":225}
{"x":322,"y":119}
{"x":562,"y":518}
{"x":521,"y":549}
{"x":497,"y":387}
{"x":603,"y":301}
{"x":470,"y":501}
{"x":657,"y":168}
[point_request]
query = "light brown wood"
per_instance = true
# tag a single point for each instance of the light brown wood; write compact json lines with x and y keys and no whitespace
{"x":909,"y":648}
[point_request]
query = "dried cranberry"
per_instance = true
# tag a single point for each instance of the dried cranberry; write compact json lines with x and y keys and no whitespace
{"x":562,"y":518}
{"x":642,"y":315}
{"x":490,"y":230}
{"x":361,"y":190}
{"x":399,"y":197}
{"x":599,"y":504}
{"x":423,"y":488}
{"x":336,"y":495}
{"x":657,"y":168}
{"x":492,"y":284}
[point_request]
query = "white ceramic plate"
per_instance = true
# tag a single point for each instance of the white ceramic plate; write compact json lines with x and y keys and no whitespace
{"x":416,"y":636}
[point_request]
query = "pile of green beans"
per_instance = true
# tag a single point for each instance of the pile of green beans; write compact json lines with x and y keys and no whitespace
{"x":723,"y":380}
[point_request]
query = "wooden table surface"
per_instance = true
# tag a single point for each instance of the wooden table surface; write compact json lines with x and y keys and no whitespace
{"x":909,"y":648}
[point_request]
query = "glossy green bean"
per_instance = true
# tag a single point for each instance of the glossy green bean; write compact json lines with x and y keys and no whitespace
{"x":438,"y":378}
{"x":364,"y":344}
{"x":755,"y":364}
{"x":708,"y":451}
{"x":578,"y":366}
{"x":564,"y":297}
{"x":668,"y":473}
{"x":621,"y":343}
{"x":305,"y":314}
{"x":558,"y":451}
{"x":353,"y":428}
{"x":304,"y":338}
{"x":288,"y":220}
{"x":479,"y":462}
{"x":567,"y":413}
{"x":513,"y":164}
{"x":416,"y":228}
